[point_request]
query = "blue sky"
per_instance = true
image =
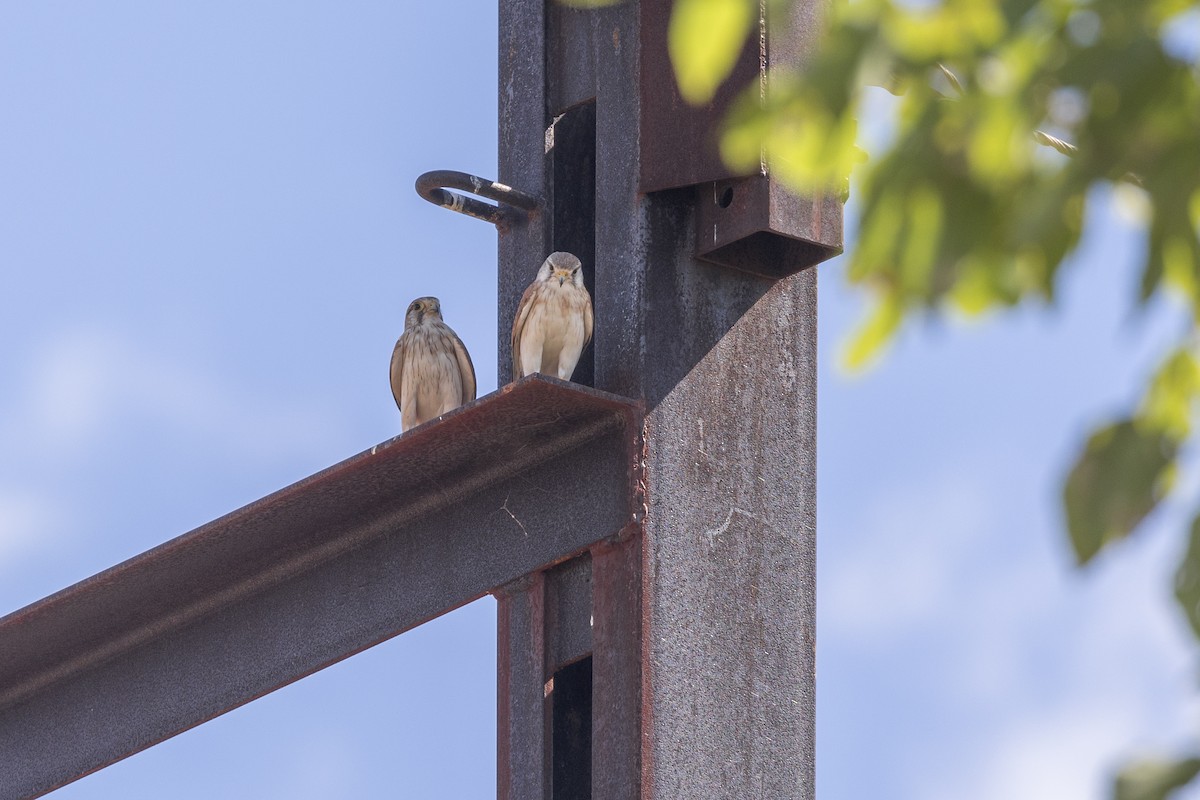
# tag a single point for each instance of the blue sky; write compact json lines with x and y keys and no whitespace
{"x":208,"y":235}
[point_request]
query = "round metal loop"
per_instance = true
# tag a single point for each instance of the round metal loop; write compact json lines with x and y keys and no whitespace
{"x":433,"y":186}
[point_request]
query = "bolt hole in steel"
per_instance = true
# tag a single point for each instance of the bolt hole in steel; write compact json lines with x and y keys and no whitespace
{"x":726,"y":197}
{"x":511,"y":206}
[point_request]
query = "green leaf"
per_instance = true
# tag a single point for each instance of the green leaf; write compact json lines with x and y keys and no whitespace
{"x":704,"y":40}
{"x":1154,"y":780}
{"x":1187,"y":579}
{"x":868,"y":341}
{"x":1171,"y":399}
{"x":1122,"y":474}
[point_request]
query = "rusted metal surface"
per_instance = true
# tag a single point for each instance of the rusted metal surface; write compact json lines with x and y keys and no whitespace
{"x":522,"y":753}
{"x":522,"y":741}
{"x":730,"y":528}
{"x":731,"y":531}
{"x":568,"y":613}
{"x":617,"y":669}
{"x":755,"y":225}
{"x":551,"y":107}
{"x":702,"y":651}
{"x":728,"y":605}
{"x":514,"y":205}
{"x":749,"y":222}
{"x":678,"y":141}
{"x":515,"y":482}
{"x":522,"y":157}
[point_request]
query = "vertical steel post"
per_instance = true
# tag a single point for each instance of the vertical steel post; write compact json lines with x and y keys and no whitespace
{"x":521,"y":737}
{"x":702,"y":619}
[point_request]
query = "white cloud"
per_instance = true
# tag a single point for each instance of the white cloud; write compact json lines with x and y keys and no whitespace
{"x":26,"y":520}
{"x":85,"y":383}
{"x":70,"y":391}
{"x":87,"y":392}
{"x":1043,"y":680}
{"x":906,"y":567}
{"x":323,"y":766}
{"x":1063,"y":754}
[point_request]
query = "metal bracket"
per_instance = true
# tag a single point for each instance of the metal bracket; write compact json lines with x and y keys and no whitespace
{"x":754,"y":224}
{"x":433,"y":187}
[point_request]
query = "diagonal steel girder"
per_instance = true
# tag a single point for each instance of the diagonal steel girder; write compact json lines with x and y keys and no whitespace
{"x":345,"y":559}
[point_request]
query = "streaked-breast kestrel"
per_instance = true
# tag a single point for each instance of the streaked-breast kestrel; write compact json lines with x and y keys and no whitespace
{"x":431,"y":371}
{"x":554,"y":320}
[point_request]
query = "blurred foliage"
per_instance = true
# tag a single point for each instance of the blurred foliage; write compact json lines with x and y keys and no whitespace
{"x":1187,"y":579}
{"x":1009,"y":115}
{"x":1129,"y":466}
{"x":704,"y":40}
{"x":1123,"y":473}
{"x":1154,"y":780}
{"x":1009,"y":118}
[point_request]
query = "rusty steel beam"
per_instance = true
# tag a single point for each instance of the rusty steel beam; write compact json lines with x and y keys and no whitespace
{"x":568,"y":616}
{"x":703,"y":612}
{"x":515,"y":482}
{"x":522,"y":755}
{"x":617,"y":668}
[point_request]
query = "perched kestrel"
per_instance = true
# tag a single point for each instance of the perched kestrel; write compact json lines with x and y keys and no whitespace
{"x":432,"y":372}
{"x":554,"y":320}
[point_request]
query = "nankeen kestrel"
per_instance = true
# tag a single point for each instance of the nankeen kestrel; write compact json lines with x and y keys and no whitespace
{"x":554,"y":320}
{"x":432,"y":372}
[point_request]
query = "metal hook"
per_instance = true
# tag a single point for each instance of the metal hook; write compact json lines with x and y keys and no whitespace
{"x":432,"y":187}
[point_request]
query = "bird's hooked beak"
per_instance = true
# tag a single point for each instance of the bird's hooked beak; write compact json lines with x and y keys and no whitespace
{"x":562,"y":276}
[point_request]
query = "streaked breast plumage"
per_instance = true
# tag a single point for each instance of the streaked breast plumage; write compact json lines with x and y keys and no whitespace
{"x":554,"y":320}
{"x":431,"y":370}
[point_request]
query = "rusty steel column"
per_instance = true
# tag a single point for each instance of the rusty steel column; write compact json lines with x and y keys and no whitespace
{"x":703,"y":614}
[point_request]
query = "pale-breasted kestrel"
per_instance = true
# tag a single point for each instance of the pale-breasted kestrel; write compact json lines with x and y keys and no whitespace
{"x":554,"y":320}
{"x":431,"y":371}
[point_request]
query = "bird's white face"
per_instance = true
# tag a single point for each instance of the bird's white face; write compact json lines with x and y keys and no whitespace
{"x":560,"y":269}
{"x":421,"y":308}
{"x":565,"y":275}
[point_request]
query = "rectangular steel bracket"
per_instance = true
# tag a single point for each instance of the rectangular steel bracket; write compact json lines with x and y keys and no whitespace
{"x":751,"y":223}
{"x":755,"y":225}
